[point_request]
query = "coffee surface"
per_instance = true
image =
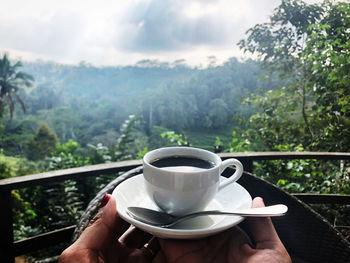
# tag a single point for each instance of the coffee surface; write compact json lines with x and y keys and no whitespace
{"x":182,"y":163}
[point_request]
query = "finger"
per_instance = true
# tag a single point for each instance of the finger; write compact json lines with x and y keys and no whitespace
{"x":105,"y":229}
{"x":111,"y":219}
{"x":261,"y":227}
{"x":134,"y":237}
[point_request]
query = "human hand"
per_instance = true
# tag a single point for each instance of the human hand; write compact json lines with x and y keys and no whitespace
{"x":231,"y":246}
{"x":99,"y":243}
{"x":106,"y":240}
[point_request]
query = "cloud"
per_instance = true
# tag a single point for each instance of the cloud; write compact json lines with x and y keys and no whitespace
{"x":59,"y":34}
{"x":120,"y":32}
{"x":156,"y":26}
{"x":163,"y":25}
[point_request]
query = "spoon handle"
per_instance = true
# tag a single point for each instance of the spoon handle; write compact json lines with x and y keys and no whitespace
{"x":273,"y":210}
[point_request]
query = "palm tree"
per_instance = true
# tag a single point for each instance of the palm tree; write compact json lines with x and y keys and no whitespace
{"x":11,"y":80}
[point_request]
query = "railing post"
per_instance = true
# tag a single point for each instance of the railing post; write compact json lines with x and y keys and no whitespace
{"x":6,"y":227}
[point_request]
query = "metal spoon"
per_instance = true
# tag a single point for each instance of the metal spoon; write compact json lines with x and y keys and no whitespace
{"x":163,"y":219}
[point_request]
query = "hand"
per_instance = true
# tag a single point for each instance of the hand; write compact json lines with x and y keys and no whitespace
{"x":98,"y":243}
{"x":231,"y":246}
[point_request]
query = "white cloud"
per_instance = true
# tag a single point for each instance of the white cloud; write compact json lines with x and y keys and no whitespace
{"x":112,"y":32}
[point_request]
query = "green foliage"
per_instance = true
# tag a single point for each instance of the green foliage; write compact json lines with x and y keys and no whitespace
{"x":218,"y":113}
{"x":278,"y":121}
{"x":126,"y":146}
{"x":280,"y":41}
{"x":99,"y":153}
{"x":43,"y":143}
{"x":66,"y":155}
{"x":128,"y":143}
{"x":308,"y":176}
{"x":44,"y":97}
{"x":23,"y":214}
{"x":11,"y":80}
{"x":206,"y":138}
{"x":16,"y":135}
{"x":175,"y":139}
{"x":13,"y":166}
{"x":307,"y":44}
{"x":68,"y":147}
{"x":9,"y":166}
{"x":154,"y":138}
{"x":142,"y":153}
{"x":22,"y":211}
{"x":23,"y":217}
{"x":61,"y":204}
{"x":65,"y":160}
{"x":56,"y":205}
{"x":328,"y":54}
{"x":89,"y":104}
{"x":218,"y":146}
{"x":207,"y":99}
{"x":312,"y":108}
{"x":238,"y":144}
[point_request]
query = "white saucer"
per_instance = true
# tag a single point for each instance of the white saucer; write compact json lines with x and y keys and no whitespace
{"x":132,"y":192}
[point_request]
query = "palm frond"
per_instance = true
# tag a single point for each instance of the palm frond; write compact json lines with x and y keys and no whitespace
{"x":20,"y":101}
{"x":11,"y":80}
{"x":17,"y":65}
{"x":11,"y":104}
{"x":24,"y":76}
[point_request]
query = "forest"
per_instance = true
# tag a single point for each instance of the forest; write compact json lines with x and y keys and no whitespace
{"x":294,"y":97}
{"x":88,"y":106}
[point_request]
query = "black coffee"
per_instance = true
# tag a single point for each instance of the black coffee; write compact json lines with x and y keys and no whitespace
{"x":182,"y":163}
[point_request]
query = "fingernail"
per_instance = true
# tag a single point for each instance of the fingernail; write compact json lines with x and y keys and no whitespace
{"x":105,"y":200}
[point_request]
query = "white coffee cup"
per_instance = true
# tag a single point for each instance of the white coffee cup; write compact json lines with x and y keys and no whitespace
{"x":181,"y":189}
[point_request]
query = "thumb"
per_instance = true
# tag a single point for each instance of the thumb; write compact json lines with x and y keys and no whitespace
{"x":106,"y":227}
{"x":262,"y":228}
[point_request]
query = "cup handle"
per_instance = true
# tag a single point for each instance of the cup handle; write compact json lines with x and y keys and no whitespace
{"x":233,"y":178}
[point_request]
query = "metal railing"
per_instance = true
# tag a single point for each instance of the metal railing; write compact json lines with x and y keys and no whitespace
{"x":9,"y":248}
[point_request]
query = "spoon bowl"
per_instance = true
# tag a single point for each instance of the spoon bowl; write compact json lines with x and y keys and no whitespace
{"x":162,"y":219}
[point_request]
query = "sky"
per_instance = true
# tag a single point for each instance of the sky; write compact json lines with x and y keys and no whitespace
{"x":123,"y":32}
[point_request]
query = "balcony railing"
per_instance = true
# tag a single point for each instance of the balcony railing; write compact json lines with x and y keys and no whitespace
{"x":9,"y":248}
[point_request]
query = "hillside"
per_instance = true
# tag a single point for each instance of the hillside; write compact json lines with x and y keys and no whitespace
{"x":88,"y":104}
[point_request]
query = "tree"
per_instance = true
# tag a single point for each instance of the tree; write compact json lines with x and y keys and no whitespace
{"x":218,"y":113}
{"x":44,"y":97}
{"x":43,"y":143}
{"x":11,"y":80}
{"x":309,"y":46}
{"x":327,"y":52}
{"x":281,"y":42}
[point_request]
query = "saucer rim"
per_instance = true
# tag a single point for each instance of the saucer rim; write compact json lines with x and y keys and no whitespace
{"x":178,"y":233}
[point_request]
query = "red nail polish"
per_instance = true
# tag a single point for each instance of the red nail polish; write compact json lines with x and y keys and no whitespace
{"x":105,"y":200}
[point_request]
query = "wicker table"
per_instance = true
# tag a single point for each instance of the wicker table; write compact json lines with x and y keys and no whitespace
{"x":307,"y":236}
